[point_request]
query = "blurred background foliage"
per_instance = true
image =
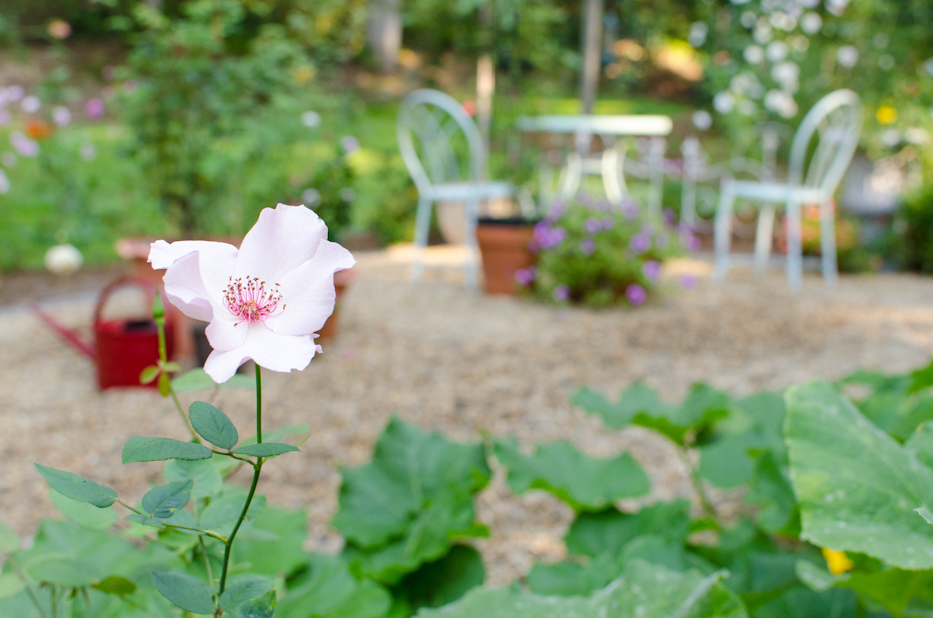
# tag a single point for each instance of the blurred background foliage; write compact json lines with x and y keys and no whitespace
{"x":216,"y":108}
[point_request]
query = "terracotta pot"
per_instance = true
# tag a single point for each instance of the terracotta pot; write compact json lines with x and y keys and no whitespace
{"x":504,"y":246}
{"x":342,"y":279}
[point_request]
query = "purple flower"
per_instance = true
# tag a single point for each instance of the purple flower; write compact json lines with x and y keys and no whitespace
{"x":5,"y":117}
{"x":524,"y":276}
{"x":640,"y":243}
{"x":561,"y":293}
{"x":651,"y":269}
{"x":24,"y":145}
{"x":593,"y":225}
{"x":547,"y":237}
{"x":609,"y":223}
{"x":587,"y":246}
{"x":691,"y":242}
{"x":602,"y":205}
{"x":94,"y":108}
{"x":630,"y":209}
{"x":350,"y":144}
{"x":688,"y":282}
{"x":669,"y":216}
{"x":557,"y":209}
{"x":585,"y":199}
{"x":636,"y":294}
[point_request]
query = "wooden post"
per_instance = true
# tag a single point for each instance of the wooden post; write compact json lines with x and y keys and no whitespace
{"x":384,"y":32}
{"x":592,"y":52}
{"x":485,"y":87}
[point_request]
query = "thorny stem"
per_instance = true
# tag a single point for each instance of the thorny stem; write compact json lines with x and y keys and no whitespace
{"x":158,"y":314}
{"x":257,"y":468}
{"x":32,"y":595}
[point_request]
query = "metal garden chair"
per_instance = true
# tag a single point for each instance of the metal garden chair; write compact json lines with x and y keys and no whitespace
{"x":444,"y":154}
{"x":835,"y":121}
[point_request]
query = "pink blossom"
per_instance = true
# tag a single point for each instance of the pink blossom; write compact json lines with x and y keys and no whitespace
{"x":651,"y":269}
{"x":640,"y":243}
{"x":94,"y":108}
{"x":561,"y":293}
{"x":524,"y":276}
{"x":266,"y":300}
{"x":636,"y":294}
{"x":25,"y":146}
{"x":587,"y":246}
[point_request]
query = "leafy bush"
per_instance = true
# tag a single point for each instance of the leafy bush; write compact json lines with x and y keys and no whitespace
{"x":913,"y":249}
{"x":597,"y":254}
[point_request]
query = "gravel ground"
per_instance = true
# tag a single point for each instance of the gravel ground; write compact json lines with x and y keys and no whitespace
{"x":456,"y":361}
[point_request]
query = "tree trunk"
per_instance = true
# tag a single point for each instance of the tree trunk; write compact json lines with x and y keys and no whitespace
{"x":384,"y":32}
{"x":592,"y":52}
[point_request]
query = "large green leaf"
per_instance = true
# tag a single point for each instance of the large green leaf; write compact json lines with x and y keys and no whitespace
{"x":640,"y":405}
{"x":443,"y":581}
{"x":82,"y":513}
{"x":857,"y":487}
{"x":585,"y":483}
{"x":77,"y":487}
{"x":161,"y":502}
{"x":62,"y":569}
{"x":280,"y":551}
{"x":204,"y":472}
{"x":221,"y":514}
{"x":260,"y":607}
{"x":430,"y":535}
{"x":410,"y":470}
{"x":644,"y":590}
{"x":242,"y":589}
{"x":329,"y":590}
{"x":213,"y":425}
{"x":920,"y":443}
{"x":893,"y":588}
{"x":609,"y":531}
{"x":187,"y":592}
{"x":139,"y":448}
{"x":9,"y":540}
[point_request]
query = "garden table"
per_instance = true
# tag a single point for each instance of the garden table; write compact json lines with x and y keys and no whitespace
{"x":607,"y":164}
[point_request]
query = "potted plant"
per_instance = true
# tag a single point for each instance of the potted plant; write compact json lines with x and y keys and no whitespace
{"x":599,"y":254}
{"x":506,"y":246}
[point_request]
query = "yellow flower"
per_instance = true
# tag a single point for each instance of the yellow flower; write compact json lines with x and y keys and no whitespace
{"x":303,"y":75}
{"x":836,"y":561}
{"x":886,"y":114}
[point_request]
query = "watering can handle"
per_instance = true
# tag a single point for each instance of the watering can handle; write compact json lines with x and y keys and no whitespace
{"x":129,"y":281}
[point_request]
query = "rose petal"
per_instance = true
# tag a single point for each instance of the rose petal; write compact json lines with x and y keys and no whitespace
{"x":276,"y":352}
{"x":283,"y":239}
{"x":308,"y":291}
{"x":185,"y":288}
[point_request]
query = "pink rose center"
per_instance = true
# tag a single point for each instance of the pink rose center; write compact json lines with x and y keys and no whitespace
{"x":249,"y":301}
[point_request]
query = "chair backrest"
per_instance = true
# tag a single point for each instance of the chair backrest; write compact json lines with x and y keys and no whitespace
{"x":836,"y":122}
{"x":758,"y":152}
{"x":433,"y":133}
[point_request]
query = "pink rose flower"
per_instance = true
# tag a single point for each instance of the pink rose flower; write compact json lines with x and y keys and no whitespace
{"x":266,"y":300}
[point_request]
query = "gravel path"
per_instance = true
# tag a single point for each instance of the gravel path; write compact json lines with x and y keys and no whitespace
{"x":459,"y":362}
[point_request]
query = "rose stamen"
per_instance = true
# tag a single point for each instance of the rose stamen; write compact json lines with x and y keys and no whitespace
{"x":249,"y":301}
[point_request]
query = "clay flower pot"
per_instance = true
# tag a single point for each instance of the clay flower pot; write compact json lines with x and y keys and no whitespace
{"x":504,"y":246}
{"x":342,"y":279}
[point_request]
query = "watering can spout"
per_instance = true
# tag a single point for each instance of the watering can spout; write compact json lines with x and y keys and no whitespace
{"x":70,"y":336}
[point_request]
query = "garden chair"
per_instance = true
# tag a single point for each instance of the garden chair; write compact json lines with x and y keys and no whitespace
{"x":444,"y":154}
{"x":756,"y":155}
{"x":835,"y":121}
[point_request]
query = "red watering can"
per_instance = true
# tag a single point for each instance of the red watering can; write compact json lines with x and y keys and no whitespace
{"x":122,"y":348}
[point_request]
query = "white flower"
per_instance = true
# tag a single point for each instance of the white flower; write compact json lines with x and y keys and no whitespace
{"x":698,"y":32}
{"x":748,"y":19}
{"x":836,"y":7}
{"x":916,"y":135}
{"x":31,"y":104}
{"x":783,"y":21}
{"x":762,"y":33}
{"x":63,"y":259}
{"x":310,"y":197}
{"x":754,"y":54}
{"x":781,"y":103}
{"x":4,"y":183}
{"x":266,"y":300}
{"x":723,"y":102}
{"x":777,"y":51}
{"x":25,"y":146}
{"x":886,"y":62}
{"x":891,"y":138}
{"x":61,"y":116}
{"x":787,"y":74}
{"x":811,"y":23}
{"x":880,"y":40}
{"x":702,"y":119}
{"x":311,"y":119}
{"x":748,"y":108}
{"x":14,"y":93}
{"x":847,"y":56}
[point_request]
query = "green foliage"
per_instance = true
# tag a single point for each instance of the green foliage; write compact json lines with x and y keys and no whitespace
{"x":265,"y":449}
{"x":77,"y":487}
{"x":585,"y":483}
{"x":213,"y":425}
{"x":643,"y":590}
{"x":596,"y":254}
{"x":913,"y":249}
{"x":139,"y":449}
{"x":185,"y":591}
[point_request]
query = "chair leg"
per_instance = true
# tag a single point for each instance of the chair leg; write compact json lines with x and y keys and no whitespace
{"x":471,"y":212}
{"x":572,"y":176}
{"x":611,"y":173}
{"x":794,"y":249}
{"x":422,"y":226}
{"x":656,"y":176}
{"x":828,"y":241}
{"x":723,"y":233}
{"x":763,"y":236}
{"x":688,"y":202}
